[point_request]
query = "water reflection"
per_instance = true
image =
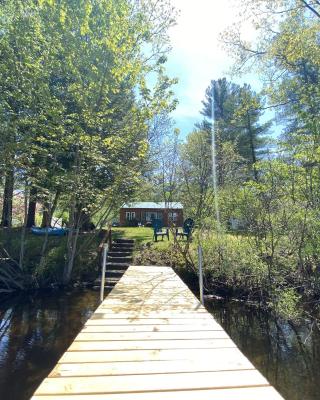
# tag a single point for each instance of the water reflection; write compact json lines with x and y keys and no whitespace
{"x":288,"y":355}
{"x":34,"y":333}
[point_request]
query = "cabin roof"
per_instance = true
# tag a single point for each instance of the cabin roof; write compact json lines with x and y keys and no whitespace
{"x":153,"y":205}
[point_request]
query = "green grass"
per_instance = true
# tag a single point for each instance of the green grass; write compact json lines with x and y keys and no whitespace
{"x":141,"y":236}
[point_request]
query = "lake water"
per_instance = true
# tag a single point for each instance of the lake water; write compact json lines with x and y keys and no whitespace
{"x":287,"y":355}
{"x":36,"y":330}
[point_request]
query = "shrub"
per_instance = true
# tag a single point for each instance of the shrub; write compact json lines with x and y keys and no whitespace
{"x":286,"y":304}
{"x":231,"y":260}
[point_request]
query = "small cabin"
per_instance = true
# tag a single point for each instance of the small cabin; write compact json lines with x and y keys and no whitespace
{"x":143,"y":213}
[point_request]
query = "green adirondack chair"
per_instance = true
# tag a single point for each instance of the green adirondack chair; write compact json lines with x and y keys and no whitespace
{"x":186,"y":230}
{"x":158,"y":230}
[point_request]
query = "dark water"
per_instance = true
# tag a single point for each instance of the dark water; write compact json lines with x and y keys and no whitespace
{"x":35,"y":332}
{"x":287,"y":355}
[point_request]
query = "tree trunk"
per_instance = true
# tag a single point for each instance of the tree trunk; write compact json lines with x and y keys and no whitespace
{"x":73,"y":240}
{"x":73,"y":234}
{"x":48,"y":211}
{"x":46,"y":220}
{"x":31,"y":218}
{"x":54,"y":204}
{"x":24,"y":228}
{"x":252,"y":148}
{"x":6,"y":220}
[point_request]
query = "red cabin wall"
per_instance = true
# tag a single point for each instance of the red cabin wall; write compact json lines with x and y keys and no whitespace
{"x":140,"y":212}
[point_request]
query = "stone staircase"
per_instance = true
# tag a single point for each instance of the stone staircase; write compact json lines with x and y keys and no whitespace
{"x":119,"y":259}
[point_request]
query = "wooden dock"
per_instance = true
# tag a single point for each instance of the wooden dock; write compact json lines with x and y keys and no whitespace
{"x":151,"y":339}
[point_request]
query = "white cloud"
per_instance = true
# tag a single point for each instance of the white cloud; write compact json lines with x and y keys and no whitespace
{"x":197,"y":55}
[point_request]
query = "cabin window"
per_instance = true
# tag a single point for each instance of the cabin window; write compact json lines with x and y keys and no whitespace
{"x":152,"y":215}
{"x":173,"y":216}
{"x":130,"y":215}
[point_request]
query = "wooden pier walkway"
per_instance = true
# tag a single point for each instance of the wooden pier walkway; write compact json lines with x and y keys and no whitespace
{"x":151,"y":339}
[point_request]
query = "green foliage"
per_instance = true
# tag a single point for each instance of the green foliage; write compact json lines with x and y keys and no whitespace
{"x":272,"y":192}
{"x":195,"y":172}
{"x":143,"y":237}
{"x":74,"y":102}
{"x":166,"y":255}
{"x":233,"y":261}
{"x":237,"y":111}
{"x":50,"y":271}
{"x":286,"y":304}
{"x":37,"y":274}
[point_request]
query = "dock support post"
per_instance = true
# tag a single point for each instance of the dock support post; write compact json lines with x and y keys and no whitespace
{"x":103,"y":272}
{"x":200,"y":259}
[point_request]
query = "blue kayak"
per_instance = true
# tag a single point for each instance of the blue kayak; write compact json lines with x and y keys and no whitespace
{"x":49,"y":231}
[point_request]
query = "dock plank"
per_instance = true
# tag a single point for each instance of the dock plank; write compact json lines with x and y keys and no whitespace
{"x":151,"y":328}
{"x":156,"y":382}
{"x":139,"y":321}
{"x":150,"y":367}
{"x":151,"y":339}
{"x":255,"y":393}
{"x":112,"y":345}
{"x":151,"y":355}
{"x":181,"y":335}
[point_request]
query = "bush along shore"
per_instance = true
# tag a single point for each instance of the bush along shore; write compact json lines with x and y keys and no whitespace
{"x":45,"y":260}
{"x":233,"y":266}
{"x":234,"y":269}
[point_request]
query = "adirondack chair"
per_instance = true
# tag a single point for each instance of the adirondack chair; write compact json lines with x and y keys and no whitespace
{"x":186,"y":230}
{"x":158,"y":230}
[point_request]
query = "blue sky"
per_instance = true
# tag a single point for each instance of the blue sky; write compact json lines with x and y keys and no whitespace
{"x":197,"y":55}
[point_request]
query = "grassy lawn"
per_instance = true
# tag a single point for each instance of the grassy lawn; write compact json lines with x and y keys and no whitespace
{"x":141,"y":236}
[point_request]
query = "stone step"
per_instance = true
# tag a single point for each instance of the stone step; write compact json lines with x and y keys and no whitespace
{"x":115,"y":273}
{"x":123,"y":245}
{"x":124,"y":241}
{"x":117,"y":265}
{"x":119,"y":259}
{"x":121,"y":249}
{"x":119,"y":253}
